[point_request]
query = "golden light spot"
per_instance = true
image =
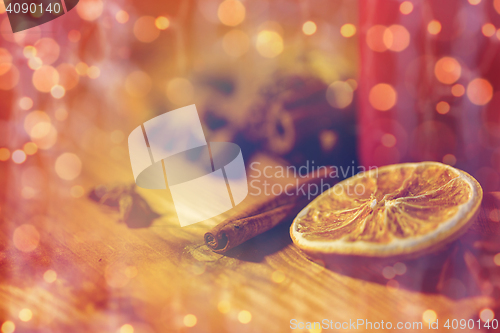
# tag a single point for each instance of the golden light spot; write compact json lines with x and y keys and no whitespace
{"x":122,"y":17}
{"x":47,"y":50}
{"x":224,"y":306}
{"x":4,"y":154}
{"x":382,"y":97}
{"x":180,"y":91}
{"x":353,"y":83}
{"x":68,"y":76}
{"x":93,"y":72}
{"x":449,"y":159}
{"x":244,"y":317}
{"x":429,"y":316}
{"x":442,"y":107}
{"x":25,"y":103}
{"x":68,"y":166}
{"x":74,"y":36}
{"x":61,"y":114}
{"x":278,"y":276}
{"x":8,"y":326}
{"x":235,"y":43}
{"x":145,"y":29}
{"x":488,"y":29}
{"x":47,"y":141}
{"x":348,"y":30}
{"x":327,"y":139}
{"x":269,"y":44}
{"x":76,"y":191}
{"x":339,"y":94}
{"x":190,"y":320}
{"x":29,"y":51}
{"x":479,"y":91}
{"x":5,"y":61}
{"x":388,"y":272}
{"x":138,"y":84}
{"x":90,"y":10}
{"x":45,"y":78}
{"x":10,"y":79}
{"x":271,"y":26}
{"x":34,"y":118}
{"x":309,"y":28}
{"x":127,"y":328}
{"x":496,"y":259}
{"x":486,"y":315}
{"x":40,"y":130}
{"x":496,"y":4}
{"x":375,"y":38}
{"x":30,"y":148}
{"x":388,"y":140}
{"x":81,"y":68}
{"x":35,"y":63}
{"x":396,"y":38}
{"x":458,"y":90}
{"x":58,"y":91}
{"x":392,"y":285}
{"x":399,"y":268}
{"x":434,"y":27}
{"x":117,"y":136}
{"x":315,"y":329}
{"x":231,"y":12}
{"x":18,"y":156}
{"x":474,"y":2}
{"x":162,"y":22}
{"x":447,"y":70}
{"x":406,"y":7}
{"x":2,"y":10}
{"x":26,"y":238}
{"x":50,"y":276}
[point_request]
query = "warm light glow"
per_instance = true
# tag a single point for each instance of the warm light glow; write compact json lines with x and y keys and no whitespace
{"x":90,"y":10}
{"x":28,"y":52}
{"x":339,"y":94}
{"x":348,"y":30}
{"x":68,"y":166}
{"x":442,"y":107}
{"x":25,"y":103}
{"x":127,"y":328}
{"x":8,"y":326}
{"x":399,"y":268}
{"x":474,"y":2}
{"x":50,"y":276}
{"x":61,"y":114}
{"x":47,"y":50}
{"x":496,"y":258}
{"x":396,"y":38}
{"x":353,"y":83}
{"x":4,"y":154}
{"x":388,"y":140}
{"x":406,"y":7}
{"x":388,"y":272}
{"x":77,"y":191}
{"x":190,"y":320}
{"x":269,"y":44}
{"x":34,"y":119}
{"x":35,"y":63}
{"x":26,"y":238}
{"x":434,"y":27}
{"x":382,"y":97}
{"x":18,"y":156}
{"x":122,"y":17}
{"x":244,"y":317}
{"x":479,"y":91}
{"x":449,"y":159}
{"x":392,"y":285}
{"x":25,"y":315}
{"x":224,"y":306}
{"x":235,"y":43}
{"x":145,"y":29}
{"x":74,"y":36}
{"x":375,"y":38}
{"x":488,"y":29}
{"x":5,"y":61}
{"x":57,"y":91}
{"x":429,"y":316}
{"x":2,"y":10}
{"x":458,"y":90}
{"x":162,"y":22}
{"x":447,"y":70}
{"x":45,"y":78}
{"x":30,"y":148}
{"x":496,"y":4}
{"x":93,"y":72}
{"x":10,"y":79}
{"x":138,"y":84}
{"x":231,"y":12}
{"x":68,"y":76}
{"x":309,"y":28}
{"x":81,"y":68}
{"x":278,"y":276}
{"x":180,"y":91}
{"x":486,"y":315}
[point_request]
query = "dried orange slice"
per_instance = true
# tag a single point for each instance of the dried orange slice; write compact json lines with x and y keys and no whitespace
{"x":396,"y":210}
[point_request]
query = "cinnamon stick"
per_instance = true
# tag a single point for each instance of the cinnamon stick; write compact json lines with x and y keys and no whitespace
{"x":263,"y":216}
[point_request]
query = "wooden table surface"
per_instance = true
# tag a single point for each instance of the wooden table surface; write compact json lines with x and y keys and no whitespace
{"x":109,"y":275}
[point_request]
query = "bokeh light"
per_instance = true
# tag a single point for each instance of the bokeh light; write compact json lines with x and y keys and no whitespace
{"x":442,"y":107}
{"x":406,"y":7}
{"x":34,"y":118}
{"x":388,"y":272}
{"x":26,"y":238}
{"x":93,"y":72}
{"x":348,"y":30}
{"x":429,"y":316}
{"x":8,"y":326}
{"x":122,"y":17}
{"x":127,"y":328}
{"x":18,"y":156}
{"x":434,"y":27}
{"x":4,"y":154}
{"x":68,"y":76}
{"x":474,"y":2}
{"x":339,"y":94}
{"x":396,"y":38}
{"x":488,"y":29}
{"x":25,"y":103}
{"x":309,"y":28}
{"x":47,"y":50}
{"x":77,"y":191}
{"x":29,"y":51}
{"x":375,"y":38}
{"x":58,"y":91}
{"x":388,"y":140}
{"x":224,"y":306}
{"x":25,"y":315}
{"x":90,"y":10}
{"x":145,"y":29}
{"x":269,"y":44}
{"x":458,"y":90}
{"x":74,"y":36}
{"x":190,"y":320}
{"x":50,"y":276}
{"x":235,"y":43}
{"x":138,"y":84}
{"x":399,"y":268}
{"x":81,"y":68}
{"x":162,"y":22}
{"x":180,"y":91}
{"x":35,"y":63}
{"x":68,"y":166}
{"x":486,"y":315}
{"x":382,"y":97}
{"x":449,"y":159}
{"x":30,"y":148}
{"x":5,"y":61}
{"x":479,"y":91}
{"x":278,"y":276}
{"x":244,"y":317}
{"x":45,"y":78}
{"x":496,"y":5}
{"x":9,"y":79}
{"x":447,"y":70}
{"x":231,"y":12}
